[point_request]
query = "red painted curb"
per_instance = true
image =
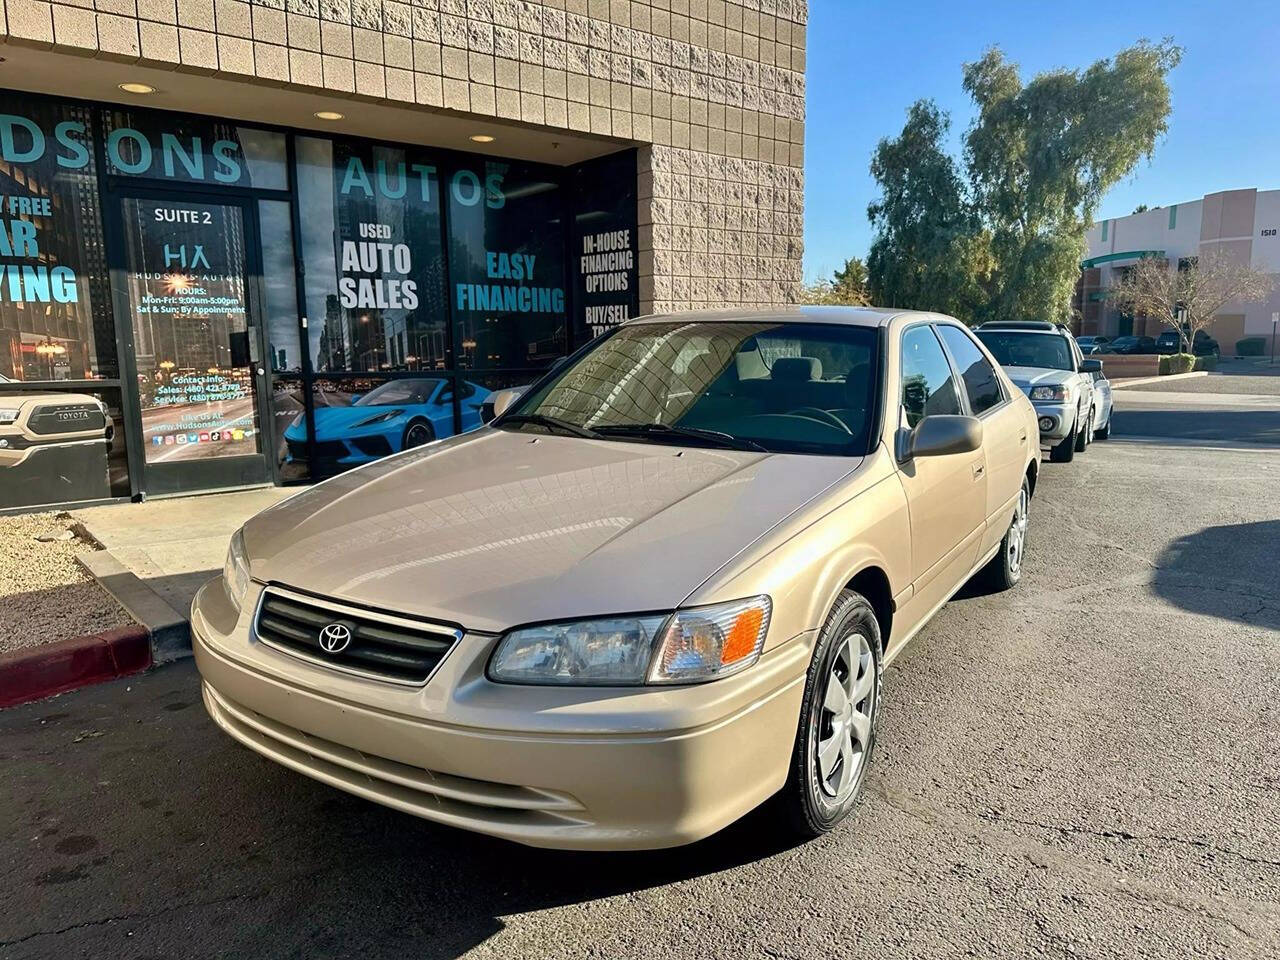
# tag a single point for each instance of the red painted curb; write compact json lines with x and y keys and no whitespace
{"x":50,"y":668}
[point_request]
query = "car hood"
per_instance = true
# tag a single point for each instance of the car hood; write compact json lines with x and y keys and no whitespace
{"x":1027,"y":377}
{"x":499,"y":528}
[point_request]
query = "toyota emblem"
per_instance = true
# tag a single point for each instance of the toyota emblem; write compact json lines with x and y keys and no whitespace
{"x":335,"y":637}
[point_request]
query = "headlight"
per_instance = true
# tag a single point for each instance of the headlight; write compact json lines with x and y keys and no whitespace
{"x":687,"y":646}
{"x":235,"y":570}
{"x":1049,"y":393}
{"x":9,"y":414}
{"x":381,"y":418}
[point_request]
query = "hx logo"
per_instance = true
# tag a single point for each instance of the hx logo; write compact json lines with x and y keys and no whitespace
{"x":180,"y":257}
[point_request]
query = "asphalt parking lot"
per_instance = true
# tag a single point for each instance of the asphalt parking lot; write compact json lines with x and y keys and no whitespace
{"x":1084,"y":767}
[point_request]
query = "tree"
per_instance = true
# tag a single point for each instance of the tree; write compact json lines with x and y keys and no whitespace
{"x":1187,"y":296}
{"x":847,"y":287}
{"x":1041,"y":156}
{"x":1140,"y":208}
{"x":1004,"y":239}
{"x":929,"y":252}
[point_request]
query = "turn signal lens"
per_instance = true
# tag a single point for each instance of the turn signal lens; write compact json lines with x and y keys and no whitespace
{"x":235,"y":570}
{"x":709,"y":642}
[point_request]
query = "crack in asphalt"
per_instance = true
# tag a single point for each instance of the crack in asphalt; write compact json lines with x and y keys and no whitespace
{"x":143,"y":917}
{"x":1236,"y":915}
{"x":1126,"y":836}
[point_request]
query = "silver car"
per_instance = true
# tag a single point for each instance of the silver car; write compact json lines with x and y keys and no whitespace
{"x":1045,"y":363}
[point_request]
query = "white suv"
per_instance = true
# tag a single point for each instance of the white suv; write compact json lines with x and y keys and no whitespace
{"x":1045,"y":362}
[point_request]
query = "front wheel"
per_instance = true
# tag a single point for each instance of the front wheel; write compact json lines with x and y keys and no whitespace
{"x":1065,"y":450}
{"x":836,"y":732}
{"x":1004,"y":570}
{"x":418,"y":433}
{"x":1102,"y":433}
{"x":1083,"y":436}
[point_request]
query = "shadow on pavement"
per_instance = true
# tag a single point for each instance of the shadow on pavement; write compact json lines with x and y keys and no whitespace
{"x":1227,"y":571}
{"x":136,"y":817}
{"x":1249,"y":426}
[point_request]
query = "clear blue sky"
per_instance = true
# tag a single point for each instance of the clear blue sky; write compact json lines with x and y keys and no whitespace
{"x":869,"y":60}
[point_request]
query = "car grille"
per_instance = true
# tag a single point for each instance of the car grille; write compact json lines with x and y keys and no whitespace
{"x":381,"y":646}
{"x":66,"y":418}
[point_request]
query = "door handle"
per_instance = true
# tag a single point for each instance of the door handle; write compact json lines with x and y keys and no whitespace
{"x":1023,"y":438}
{"x":978,"y":470}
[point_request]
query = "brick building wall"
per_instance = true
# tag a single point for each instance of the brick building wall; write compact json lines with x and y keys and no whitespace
{"x":712,"y":91}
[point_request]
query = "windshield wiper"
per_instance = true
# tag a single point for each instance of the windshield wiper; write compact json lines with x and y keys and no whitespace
{"x":554,"y":424}
{"x":716,"y":437}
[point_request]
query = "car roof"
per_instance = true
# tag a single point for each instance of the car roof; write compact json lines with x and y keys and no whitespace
{"x":851,"y":316}
{"x":997,"y":328}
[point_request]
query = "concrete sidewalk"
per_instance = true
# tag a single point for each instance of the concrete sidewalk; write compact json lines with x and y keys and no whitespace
{"x":176,"y":544}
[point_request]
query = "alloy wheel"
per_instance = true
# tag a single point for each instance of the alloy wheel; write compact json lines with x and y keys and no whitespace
{"x":1018,"y":533}
{"x":418,"y":435}
{"x":844,"y":723}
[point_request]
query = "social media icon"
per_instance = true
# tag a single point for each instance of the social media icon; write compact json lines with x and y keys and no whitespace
{"x":168,"y":440}
{"x":193,"y":438}
{"x":204,"y":438}
{"x":182,"y":438}
{"x":238,"y":434}
{"x":215,"y":435}
{"x":158,"y":441}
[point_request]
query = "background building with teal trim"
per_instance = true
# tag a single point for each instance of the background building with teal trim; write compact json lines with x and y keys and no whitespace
{"x":1243,"y":223}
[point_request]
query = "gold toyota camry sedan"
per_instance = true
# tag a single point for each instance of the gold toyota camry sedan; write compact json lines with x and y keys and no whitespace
{"x":658,"y":590}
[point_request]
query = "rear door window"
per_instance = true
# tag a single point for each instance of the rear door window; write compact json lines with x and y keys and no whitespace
{"x":979,"y":376}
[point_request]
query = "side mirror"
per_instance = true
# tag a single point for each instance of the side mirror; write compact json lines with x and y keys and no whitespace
{"x":500,"y":401}
{"x":355,"y":396}
{"x":1090,"y":366}
{"x":942,"y":435}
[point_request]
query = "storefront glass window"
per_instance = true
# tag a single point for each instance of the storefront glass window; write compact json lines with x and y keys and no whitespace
{"x":218,"y":153}
{"x":374,"y":257}
{"x":187,"y":290}
{"x":55,"y":308}
{"x":280,"y":293}
{"x":507,"y":278}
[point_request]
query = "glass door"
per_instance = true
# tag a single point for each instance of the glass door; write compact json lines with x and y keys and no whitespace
{"x":190,"y":275}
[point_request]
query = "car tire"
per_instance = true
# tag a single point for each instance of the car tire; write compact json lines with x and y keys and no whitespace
{"x":1065,"y":450}
{"x":1004,"y":570}
{"x":1084,"y":436}
{"x":835,"y":737}
{"x":1102,"y":433}
{"x":416,"y":434}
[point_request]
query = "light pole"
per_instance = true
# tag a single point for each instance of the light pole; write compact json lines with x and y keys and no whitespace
{"x":1275,"y":319}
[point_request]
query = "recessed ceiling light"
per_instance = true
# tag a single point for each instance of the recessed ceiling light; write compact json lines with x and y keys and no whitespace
{"x":328,"y":115}
{"x":482,"y":138}
{"x":137,"y":88}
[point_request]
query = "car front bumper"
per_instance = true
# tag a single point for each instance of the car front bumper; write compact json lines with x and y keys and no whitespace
{"x":566,"y":767}
{"x":1055,"y":420}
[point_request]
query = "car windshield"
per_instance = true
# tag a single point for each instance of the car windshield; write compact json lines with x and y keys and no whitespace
{"x":398,"y":391}
{"x":754,"y":385}
{"x":1012,"y":349}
